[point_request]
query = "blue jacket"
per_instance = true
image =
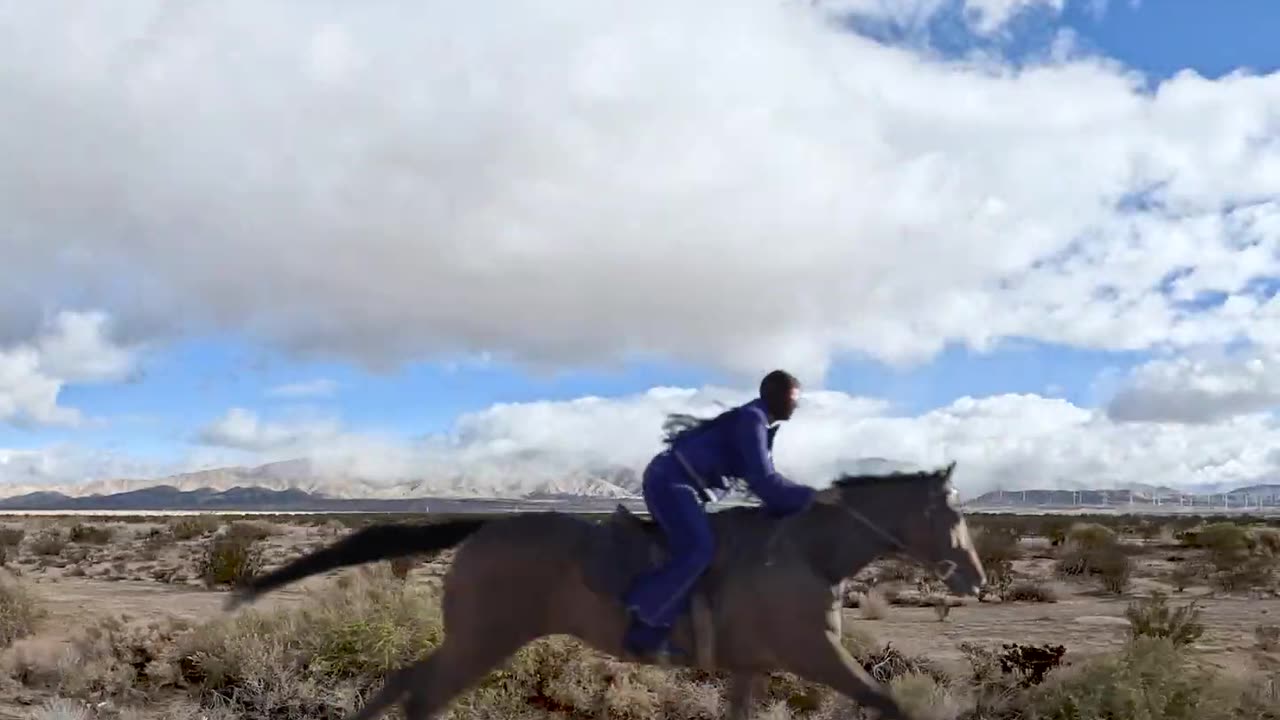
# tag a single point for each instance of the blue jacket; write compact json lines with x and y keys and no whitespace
{"x":739,"y":444}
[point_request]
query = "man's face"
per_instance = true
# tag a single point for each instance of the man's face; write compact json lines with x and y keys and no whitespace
{"x":782,"y":408}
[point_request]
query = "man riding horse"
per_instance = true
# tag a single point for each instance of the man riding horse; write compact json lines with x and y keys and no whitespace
{"x":691,"y":472}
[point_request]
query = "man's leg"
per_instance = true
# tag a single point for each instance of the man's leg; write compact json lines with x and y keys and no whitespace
{"x":657,"y":597}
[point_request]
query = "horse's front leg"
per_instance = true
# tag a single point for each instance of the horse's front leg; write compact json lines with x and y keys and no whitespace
{"x":742,"y":694}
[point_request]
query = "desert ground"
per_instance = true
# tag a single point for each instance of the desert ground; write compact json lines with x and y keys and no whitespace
{"x":122,"y":618}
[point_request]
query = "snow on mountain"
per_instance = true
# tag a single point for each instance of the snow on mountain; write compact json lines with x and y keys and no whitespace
{"x":507,"y":480}
{"x":515,"y":475}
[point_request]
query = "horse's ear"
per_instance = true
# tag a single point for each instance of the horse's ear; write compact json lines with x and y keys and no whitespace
{"x":946,"y":472}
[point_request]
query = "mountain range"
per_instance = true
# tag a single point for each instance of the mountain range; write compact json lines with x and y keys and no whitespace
{"x":602,"y":481}
{"x":1135,"y":495}
{"x":299,"y":486}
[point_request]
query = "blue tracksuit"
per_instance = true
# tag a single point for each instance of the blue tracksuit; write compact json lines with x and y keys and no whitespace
{"x":736,"y":444}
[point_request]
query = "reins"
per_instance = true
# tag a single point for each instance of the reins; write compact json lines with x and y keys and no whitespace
{"x":894,"y":542}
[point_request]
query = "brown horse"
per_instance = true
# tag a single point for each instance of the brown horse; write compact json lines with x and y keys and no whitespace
{"x":769,"y":602}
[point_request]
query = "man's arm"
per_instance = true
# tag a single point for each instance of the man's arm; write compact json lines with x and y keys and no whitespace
{"x":779,"y":495}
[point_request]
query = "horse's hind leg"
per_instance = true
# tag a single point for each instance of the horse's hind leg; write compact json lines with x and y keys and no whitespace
{"x":469,"y":651}
{"x":395,"y":686}
{"x":451,"y":670}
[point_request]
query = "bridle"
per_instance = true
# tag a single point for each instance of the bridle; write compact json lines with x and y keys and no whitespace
{"x":944,"y":569}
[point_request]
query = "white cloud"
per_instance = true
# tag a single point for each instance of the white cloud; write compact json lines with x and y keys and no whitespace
{"x":241,"y":429}
{"x":984,"y":17}
{"x":1009,"y":441}
{"x":317,"y":388}
{"x":394,"y":181}
{"x":73,"y":347}
{"x":76,"y":347}
{"x":1012,"y":441}
{"x":1194,"y":389}
{"x":66,"y":464}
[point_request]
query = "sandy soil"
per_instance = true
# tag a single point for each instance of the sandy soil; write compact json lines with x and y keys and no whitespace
{"x":129,"y":577}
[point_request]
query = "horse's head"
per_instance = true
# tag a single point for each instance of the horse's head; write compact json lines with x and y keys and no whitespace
{"x":916,"y":514}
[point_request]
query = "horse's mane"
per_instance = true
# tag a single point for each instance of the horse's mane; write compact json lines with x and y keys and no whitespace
{"x":849,"y":480}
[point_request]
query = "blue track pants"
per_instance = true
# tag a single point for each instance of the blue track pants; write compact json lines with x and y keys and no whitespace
{"x":660,"y":596}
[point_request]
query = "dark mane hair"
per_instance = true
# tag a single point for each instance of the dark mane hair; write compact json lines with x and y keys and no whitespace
{"x":848,"y":480}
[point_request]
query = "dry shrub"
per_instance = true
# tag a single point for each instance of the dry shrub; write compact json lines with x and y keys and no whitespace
{"x":925,"y":698}
{"x":1114,"y":569}
{"x":315,"y":660}
{"x":787,"y":696}
{"x":886,"y":663}
{"x":559,"y":675}
{"x":230,"y":560}
{"x":1030,"y":591}
{"x":896,"y":569}
{"x":400,"y":566}
{"x":1268,"y":637}
{"x":90,"y":534}
{"x":11,"y":537}
{"x":1093,"y":550}
{"x":1267,"y":540}
{"x":19,"y":612}
{"x":1243,"y":573}
{"x":1185,"y":574}
{"x":857,"y":641}
{"x":997,"y":548}
{"x":1055,"y":529}
{"x":193,"y":527}
{"x":48,"y":543}
{"x":1091,"y":536}
{"x":998,"y":675}
{"x":251,"y":530}
{"x":873,"y":604}
{"x":62,"y":709}
{"x":116,"y":659}
{"x":1151,"y":529}
{"x":1149,"y":679}
{"x":1239,"y":557}
{"x":1152,"y":617}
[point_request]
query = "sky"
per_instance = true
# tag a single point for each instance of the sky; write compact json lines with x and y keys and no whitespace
{"x":1040,"y":238}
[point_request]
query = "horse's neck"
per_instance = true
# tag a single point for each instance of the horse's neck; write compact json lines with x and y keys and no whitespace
{"x":836,"y":544}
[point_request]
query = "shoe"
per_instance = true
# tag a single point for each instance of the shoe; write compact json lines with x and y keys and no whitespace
{"x":650,"y":642}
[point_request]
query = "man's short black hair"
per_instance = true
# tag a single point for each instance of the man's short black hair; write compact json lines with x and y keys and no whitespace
{"x":777,"y":381}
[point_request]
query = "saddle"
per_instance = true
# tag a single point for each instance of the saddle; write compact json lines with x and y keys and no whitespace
{"x":626,"y":545}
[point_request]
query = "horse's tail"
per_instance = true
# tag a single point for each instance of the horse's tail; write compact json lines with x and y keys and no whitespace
{"x":377,"y":542}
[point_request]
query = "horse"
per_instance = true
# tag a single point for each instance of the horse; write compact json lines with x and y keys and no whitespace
{"x":770,"y":601}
